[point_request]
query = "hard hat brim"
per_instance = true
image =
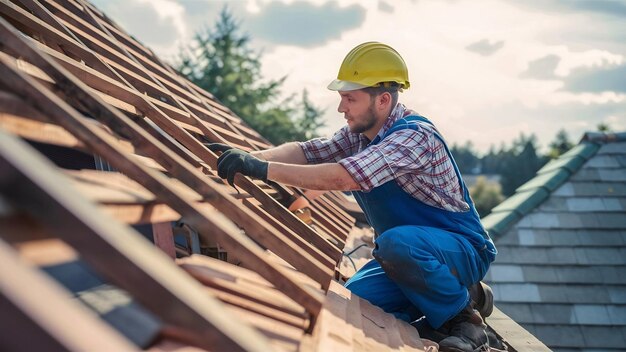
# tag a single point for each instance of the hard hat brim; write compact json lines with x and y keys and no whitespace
{"x":340,"y":85}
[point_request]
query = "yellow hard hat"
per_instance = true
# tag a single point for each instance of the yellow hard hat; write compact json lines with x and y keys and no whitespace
{"x":369,"y":64}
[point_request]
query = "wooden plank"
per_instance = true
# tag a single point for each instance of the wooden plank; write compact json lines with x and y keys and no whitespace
{"x":59,"y":110}
{"x":268,"y":200}
{"x":169,"y":345}
{"x":289,"y":219}
{"x":333,"y":215}
{"x":30,"y":323}
{"x":305,"y":246}
{"x":332,"y":331}
{"x":281,"y":336}
{"x":368,"y":327}
{"x":346,"y":218}
{"x":141,"y":213}
{"x":213,"y":135}
{"x":114,"y":181}
{"x":164,"y":122}
{"x":516,"y":337}
{"x":38,"y":131}
{"x":30,"y":184}
{"x":144,"y":103}
{"x":241,"y":272}
{"x":338,"y":230}
{"x":14,"y":106}
{"x":281,"y":212}
{"x":261,"y":309}
{"x":164,"y":238}
{"x":354,"y":317}
{"x":232,"y":282}
{"x":44,"y":252}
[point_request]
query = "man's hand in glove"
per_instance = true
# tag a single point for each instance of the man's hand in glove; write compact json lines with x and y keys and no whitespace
{"x":218,"y":147}
{"x":234,"y":161}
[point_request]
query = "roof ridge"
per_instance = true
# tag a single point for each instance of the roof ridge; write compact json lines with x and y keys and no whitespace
{"x":535,"y":191}
{"x":604,"y":137}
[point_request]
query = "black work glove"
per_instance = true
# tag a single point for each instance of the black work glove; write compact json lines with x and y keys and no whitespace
{"x":218,"y":147}
{"x":235,"y":161}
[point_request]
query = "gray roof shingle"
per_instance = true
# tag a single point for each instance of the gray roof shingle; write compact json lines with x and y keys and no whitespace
{"x":561,"y":267}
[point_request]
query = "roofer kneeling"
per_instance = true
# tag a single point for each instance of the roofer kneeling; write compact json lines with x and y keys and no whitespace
{"x":430,"y":246}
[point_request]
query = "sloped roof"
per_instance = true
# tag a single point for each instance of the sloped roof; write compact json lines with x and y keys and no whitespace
{"x":562,"y":248}
{"x":76,"y":273}
{"x":74,"y":82}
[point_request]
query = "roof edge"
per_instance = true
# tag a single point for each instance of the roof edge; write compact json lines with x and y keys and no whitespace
{"x":535,"y":191}
{"x":604,"y":137}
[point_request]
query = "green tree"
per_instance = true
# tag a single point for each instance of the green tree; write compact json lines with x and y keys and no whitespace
{"x":520,"y":163}
{"x":220,"y":61}
{"x":560,"y":144}
{"x":308,"y":123}
{"x":466,"y":158}
{"x":603,"y":127}
{"x":486,"y":195}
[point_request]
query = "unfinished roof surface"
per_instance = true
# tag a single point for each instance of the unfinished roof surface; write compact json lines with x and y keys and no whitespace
{"x":562,"y":248}
{"x":101,"y":147}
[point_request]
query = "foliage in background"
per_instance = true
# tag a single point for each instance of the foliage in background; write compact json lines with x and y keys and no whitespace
{"x":220,"y":61}
{"x":486,"y":195}
{"x":560,"y":145}
{"x":515,"y":165}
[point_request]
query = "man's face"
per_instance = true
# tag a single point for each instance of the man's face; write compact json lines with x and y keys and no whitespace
{"x":358,"y":109}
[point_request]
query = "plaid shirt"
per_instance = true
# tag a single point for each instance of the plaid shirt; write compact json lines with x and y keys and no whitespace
{"x":415,"y":159}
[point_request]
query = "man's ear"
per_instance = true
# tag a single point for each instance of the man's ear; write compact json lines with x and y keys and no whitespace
{"x":384,"y":100}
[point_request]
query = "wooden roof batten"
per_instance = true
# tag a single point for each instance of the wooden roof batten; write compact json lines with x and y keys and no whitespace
{"x":67,"y":117}
{"x":291,"y":220}
{"x":193,"y":144}
{"x":45,"y":197}
{"x":70,"y":78}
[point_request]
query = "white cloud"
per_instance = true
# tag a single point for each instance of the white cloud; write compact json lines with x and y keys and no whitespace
{"x":170,"y":10}
{"x":482,"y":98}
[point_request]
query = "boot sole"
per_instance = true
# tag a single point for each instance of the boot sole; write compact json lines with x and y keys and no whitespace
{"x":487,"y":307}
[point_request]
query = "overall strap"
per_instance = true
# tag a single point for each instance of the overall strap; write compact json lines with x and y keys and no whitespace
{"x":410,"y":122}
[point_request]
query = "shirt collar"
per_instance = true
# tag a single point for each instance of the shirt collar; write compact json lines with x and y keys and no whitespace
{"x":397,"y":113}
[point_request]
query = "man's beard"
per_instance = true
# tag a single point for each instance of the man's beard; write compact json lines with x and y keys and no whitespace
{"x":368,"y":121}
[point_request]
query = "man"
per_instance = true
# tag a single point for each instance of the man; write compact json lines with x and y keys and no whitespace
{"x":430,"y":246}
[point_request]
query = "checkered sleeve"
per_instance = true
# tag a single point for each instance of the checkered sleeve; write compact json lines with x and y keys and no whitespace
{"x":323,"y":150}
{"x":404,"y":151}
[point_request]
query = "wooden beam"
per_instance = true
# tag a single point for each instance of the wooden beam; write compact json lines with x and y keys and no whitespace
{"x":30,"y":184}
{"x":30,"y":323}
{"x":164,"y":238}
{"x":270,"y":203}
{"x":181,"y":135}
{"x":272,"y":206}
{"x":228,"y":236}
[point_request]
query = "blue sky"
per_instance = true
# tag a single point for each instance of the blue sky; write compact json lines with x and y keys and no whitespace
{"x":483,"y":71}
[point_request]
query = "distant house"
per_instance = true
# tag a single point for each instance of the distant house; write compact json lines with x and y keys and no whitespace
{"x":561,"y":268}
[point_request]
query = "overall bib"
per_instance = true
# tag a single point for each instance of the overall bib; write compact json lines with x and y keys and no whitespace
{"x":425,"y":257}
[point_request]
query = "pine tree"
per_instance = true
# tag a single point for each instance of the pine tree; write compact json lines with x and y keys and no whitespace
{"x":603,"y":127}
{"x":520,"y":163}
{"x":220,"y":61}
{"x":309,"y":122}
{"x":466,"y":158}
{"x":560,"y":145}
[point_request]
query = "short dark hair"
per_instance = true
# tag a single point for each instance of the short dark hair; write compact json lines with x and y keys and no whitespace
{"x":385,"y":87}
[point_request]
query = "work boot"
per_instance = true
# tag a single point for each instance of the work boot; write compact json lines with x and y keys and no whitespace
{"x":482,"y":296}
{"x":467,"y":333}
{"x":428,"y":332}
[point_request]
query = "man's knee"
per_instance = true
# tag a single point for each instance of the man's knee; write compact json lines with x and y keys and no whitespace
{"x":394,"y":244}
{"x":398,"y":250}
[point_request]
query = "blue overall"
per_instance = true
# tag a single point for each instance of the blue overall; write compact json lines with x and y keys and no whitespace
{"x":425,"y":257}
